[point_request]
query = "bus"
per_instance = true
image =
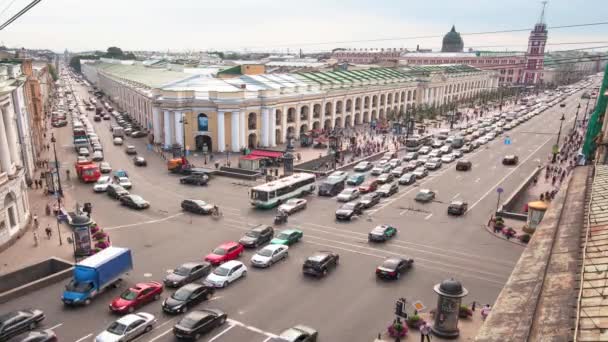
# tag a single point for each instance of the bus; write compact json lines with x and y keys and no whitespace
{"x":274,"y":193}
{"x":414,"y":143}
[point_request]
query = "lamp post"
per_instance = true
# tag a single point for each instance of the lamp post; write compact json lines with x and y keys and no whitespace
{"x":184,"y":122}
{"x":559,"y":133}
{"x":59,"y":193}
{"x":576,"y":116}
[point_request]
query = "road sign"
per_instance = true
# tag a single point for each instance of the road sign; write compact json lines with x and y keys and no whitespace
{"x":500,"y":190}
{"x":507,"y":141}
{"x":418,"y":306}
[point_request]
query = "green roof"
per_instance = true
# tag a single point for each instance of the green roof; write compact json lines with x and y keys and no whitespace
{"x":150,"y":77}
{"x":425,"y":70}
{"x":348,"y":77}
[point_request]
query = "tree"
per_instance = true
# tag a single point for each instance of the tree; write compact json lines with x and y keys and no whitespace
{"x":53,"y":72}
{"x":75,"y":61}
{"x":130,"y":55}
{"x":114,"y":52}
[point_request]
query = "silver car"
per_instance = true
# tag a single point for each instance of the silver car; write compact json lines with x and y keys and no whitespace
{"x":292,"y":205}
{"x":348,"y":195}
{"x":127,"y":327}
{"x":268,"y":255}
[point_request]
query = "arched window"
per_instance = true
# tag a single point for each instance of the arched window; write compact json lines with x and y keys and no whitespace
{"x":203,"y":122}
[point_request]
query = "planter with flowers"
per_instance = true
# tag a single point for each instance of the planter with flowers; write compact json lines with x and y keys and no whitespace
{"x":525,"y":238}
{"x":508,"y":232}
{"x":464,"y":311}
{"x":414,"y":321}
{"x":397,"y":329}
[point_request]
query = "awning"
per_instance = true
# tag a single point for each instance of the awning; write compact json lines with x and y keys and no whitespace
{"x":267,"y":154}
{"x":251,"y":157}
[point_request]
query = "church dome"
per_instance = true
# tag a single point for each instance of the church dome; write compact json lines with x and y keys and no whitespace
{"x":452,"y":42}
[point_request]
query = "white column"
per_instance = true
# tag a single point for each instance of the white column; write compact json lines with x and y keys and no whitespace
{"x":11,"y":135}
{"x":179,"y":128}
{"x":273,"y":127}
{"x":243,"y":130}
{"x":235,"y":132}
{"x":5,"y":158}
{"x":265,"y":127}
{"x":167,"y":125}
{"x":284,"y":124}
{"x":333,"y":112}
{"x":221,"y":133}
{"x":156,"y":124}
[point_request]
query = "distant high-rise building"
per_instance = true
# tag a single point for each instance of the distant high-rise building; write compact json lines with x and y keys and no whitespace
{"x":533,"y":73}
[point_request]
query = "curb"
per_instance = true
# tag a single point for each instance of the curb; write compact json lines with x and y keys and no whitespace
{"x":500,"y":236}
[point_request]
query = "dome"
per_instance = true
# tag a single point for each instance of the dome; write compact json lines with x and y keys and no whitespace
{"x":451,"y":287}
{"x":81,"y":220}
{"x":452,"y":42}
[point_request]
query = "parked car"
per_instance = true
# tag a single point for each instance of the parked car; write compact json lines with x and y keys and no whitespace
{"x":425,"y":195}
{"x":105,"y":167}
{"x":399,"y":171}
{"x":299,"y":333}
{"x":186,"y":297}
{"x":102,"y":184}
{"x":187,"y":273}
{"x":369,"y":186}
{"x":195,"y":179}
{"x":138,"y":134}
{"x":348,"y":210}
{"x":410,"y":156}
{"x":269,"y":255}
{"x":116,"y":191}
{"x":320,"y":263}
{"x":257,"y":236}
{"x":131,"y":149}
{"x":226,"y":274}
{"x":363,"y":166}
{"x":225,"y":252}
{"x":47,"y":335}
{"x":392,"y":268}
{"x":136,"y":297}
{"x":117,"y":141}
{"x":134,"y":201}
{"x":128,"y":327}
{"x":197,"y":206}
{"x":348,"y":195}
{"x":371,"y":199}
{"x":510,"y":160}
{"x":97,"y":156}
{"x":385,"y":178}
{"x":457,"y":208}
{"x":196,"y":323}
{"x":125,"y":182}
{"x":140,"y":161}
{"x":388,"y":189}
{"x":382,"y":233}
{"x":407,"y":179}
{"x":16,"y":322}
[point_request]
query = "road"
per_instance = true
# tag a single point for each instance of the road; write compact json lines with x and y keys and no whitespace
{"x":350,"y":304}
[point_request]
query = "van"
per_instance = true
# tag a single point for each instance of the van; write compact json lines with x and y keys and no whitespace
{"x":118,"y":132}
{"x":331,"y":187}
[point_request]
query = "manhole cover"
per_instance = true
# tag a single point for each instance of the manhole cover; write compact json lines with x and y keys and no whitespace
{"x":147,"y":245}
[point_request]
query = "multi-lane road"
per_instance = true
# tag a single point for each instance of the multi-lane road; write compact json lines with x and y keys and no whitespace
{"x":350,"y":304}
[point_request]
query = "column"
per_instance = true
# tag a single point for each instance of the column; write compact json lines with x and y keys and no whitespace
{"x":235,"y":132}
{"x":179,"y":128}
{"x":221,"y":137}
{"x":243,"y":130}
{"x":167,"y":125}
{"x":333,"y":112}
{"x":265,"y":127}
{"x":11,"y":135}
{"x":5,"y":159}
{"x":284,"y":124}
{"x":156,"y":123}
{"x":273,"y":127}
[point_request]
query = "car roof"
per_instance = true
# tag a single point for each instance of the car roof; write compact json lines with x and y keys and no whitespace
{"x":273,"y":247}
{"x":424,"y":191}
{"x":289,"y":231}
{"x":128,"y":319}
{"x":319,"y":256}
{"x":231,"y":264}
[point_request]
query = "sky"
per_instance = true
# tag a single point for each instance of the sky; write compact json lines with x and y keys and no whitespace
{"x":279,"y":25}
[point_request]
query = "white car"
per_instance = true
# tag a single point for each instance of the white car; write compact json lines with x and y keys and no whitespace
{"x":83,"y":151}
{"x":97,"y":156}
{"x":447,"y":158}
{"x":117,"y":141}
{"x":292,"y":205}
{"x":348,"y":195}
{"x":127,"y":328}
{"x":225,"y":274}
{"x":102,"y":184}
{"x":338,"y":175}
{"x":125,"y":182}
{"x":268,"y":255}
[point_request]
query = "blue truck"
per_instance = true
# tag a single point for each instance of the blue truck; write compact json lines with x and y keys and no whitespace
{"x":96,"y":273}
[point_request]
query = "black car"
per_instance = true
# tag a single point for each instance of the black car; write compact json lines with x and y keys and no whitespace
{"x":388,"y":189}
{"x":134,"y":202}
{"x":370,"y":200}
{"x":391,"y":268}
{"x":197,"y":323}
{"x":138,"y":134}
{"x":457,"y":208}
{"x":16,"y":322}
{"x":116,"y":191}
{"x":407,"y":179}
{"x":197,"y":206}
{"x":60,"y":123}
{"x":97,"y":118}
{"x":187,"y":273}
{"x":106,"y":117}
{"x":510,"y":160}
{"x":463,"y":165}
{"x":320,"y":263}
{"x":257,"y":236}
{"x":196,"y":179}
{"x":140,"y":161}
{"x":187,"y":296}
{"x":38,"y":336}
{"x":346,"y":211}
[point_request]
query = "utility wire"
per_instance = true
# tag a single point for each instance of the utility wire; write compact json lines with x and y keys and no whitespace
{"x":19,"y":14}
{"x":7,"y":7}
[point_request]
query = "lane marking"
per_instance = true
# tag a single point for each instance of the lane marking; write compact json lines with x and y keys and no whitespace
{"x":87,"y":336}
{"x":456,"y":196}
{"x":144,"y":222}
{"x":56,"y":326}
{"x":222,"y":332}
{"x":428,"y":216}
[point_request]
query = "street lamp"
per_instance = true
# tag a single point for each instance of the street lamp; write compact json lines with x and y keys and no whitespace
{"x":59,"y":192}
{"x":576,"y":116}
{"x":556,"y":146}
{"x":184,"y":122}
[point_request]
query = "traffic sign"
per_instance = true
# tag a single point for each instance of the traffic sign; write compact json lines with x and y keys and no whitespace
{"x":500,"y":190}
{"x":418,"y":306}
{"x":507,"y":141}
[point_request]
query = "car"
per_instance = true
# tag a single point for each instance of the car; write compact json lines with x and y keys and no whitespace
{"x":257,"y":236}
{"x":287,"y":237}
{"x":424,"y":150}
{"x":125,"y":182}
{"x":131,"y":149}
{"x":269,"y":255}
{"x":434,"y":154}
{"x":463,"y":165}
{"x":510,"y":160}
{"x":197,"y":206}
{"x":457,"y":154}
{"x":293,"y":205}
{"x":320,"y":263}
{"x":117,"y":141}
{"x":225,"y":252}
{"x":106,"y":117}
{"x":348,"y":195}
{"x":138,"y":134}
{"x":59,"y":123}
{"x":420,"y":172}
{"x":447,"y":158}
{"x":385,"y":178}
{"x":97,"y":147}
{"x":128,"y":129}
{"x":356,"y":179}
{"x":102,"y":184}
{"x":47,"y":335}
{"x":410,"y":156}
{"x":186,"y":297}
{"x":16,"y":322}
{"x":388,"y":189}
{"x":425,"y":195}
{"x":433,"y":164}
{"x":226,"y":274}
{"x":83,"y":152}
{"x":134,"y":201}
{"x":338,"y":176}
{"x":412,"y":165}
{"x":196,"y":323}
{"x":392,"y":268}
{"x":371,"y":199}
{"x":407,"y":179}
{"x":382,"y":233}
{"x":97,"y":156}
{"x":363,"y":166}
{"x":437,"y":143}
{"x":393,"y":163}
{"x":299,"y":333}
{"x":187,"y":273}
{"x":376,"y":171}
{"x":140,"y":161}
{"x":369,"y":186}
{"x":457,"y":208}
{"x":128,"y":328}
{"x":116,"y":191}
{"x":195,"y":179}
{"x":96,"y":118}
{"x":399,"y":171}
{"x":467,"y":148}
{"x":348,"y":210}
{"x":445,"y":149}
{"x":136,"y":296}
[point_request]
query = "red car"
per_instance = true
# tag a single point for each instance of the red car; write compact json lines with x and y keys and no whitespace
{"x":225,"y":252}
{"x":369,"y":186}
{"x":136,"y":296}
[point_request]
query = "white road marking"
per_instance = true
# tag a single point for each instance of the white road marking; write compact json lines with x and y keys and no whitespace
{"x":159,"y":336}
{"x":428,"y":216}
{"x":477,"y":180}
{"x":143,"y":223}
{"x":147,"y":275}
{"x":456,"y":196}
{"x":56,"y":326}
{"x":221,"y":333}
{"x":266,"y":340}
{"x":249,"y":327}
{"x":87,"y":336}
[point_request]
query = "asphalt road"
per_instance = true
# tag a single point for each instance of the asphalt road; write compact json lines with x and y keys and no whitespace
{"x":350,"y":304}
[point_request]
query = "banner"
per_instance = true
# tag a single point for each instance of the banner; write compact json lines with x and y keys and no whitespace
{"x":82,"y":241}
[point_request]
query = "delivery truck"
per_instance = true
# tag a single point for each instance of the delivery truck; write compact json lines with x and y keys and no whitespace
{"x":96,"y":273}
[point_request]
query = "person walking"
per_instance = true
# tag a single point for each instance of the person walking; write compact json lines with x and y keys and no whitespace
{"x":36,"y":223}
{"x":48,"y":231}
{"x":425,"y":331}
{"x":35,"y":238}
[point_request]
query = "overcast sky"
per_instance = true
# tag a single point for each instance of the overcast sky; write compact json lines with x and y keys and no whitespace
{"x":181,"y":25}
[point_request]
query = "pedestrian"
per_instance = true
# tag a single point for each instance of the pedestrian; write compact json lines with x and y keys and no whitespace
{"x":67,"y":173}
{"x":425,"y":331}
{"x":535,"y":180}
{"x":48,"y":231}
{"x":485,"y":311}
{"x":35,"y":238}
{"x":36,"y":223}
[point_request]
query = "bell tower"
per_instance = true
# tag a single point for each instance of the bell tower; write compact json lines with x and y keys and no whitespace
{"x":535,"y":56}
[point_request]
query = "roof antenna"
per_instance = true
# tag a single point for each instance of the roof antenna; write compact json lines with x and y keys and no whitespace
{"x":542,"y":13}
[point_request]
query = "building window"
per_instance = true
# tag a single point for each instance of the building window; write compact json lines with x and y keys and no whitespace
{"x":203,"y":122}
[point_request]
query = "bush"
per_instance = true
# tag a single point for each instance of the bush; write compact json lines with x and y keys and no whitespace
{"x":397,"y":329}
{"x":525,"y":238}
{"x":414,"y":321}
{"x":464,"y":311}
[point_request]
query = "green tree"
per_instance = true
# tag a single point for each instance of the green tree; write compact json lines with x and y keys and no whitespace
{"x":114,"y":52}
{"x":53,"y":72}
{"x":130,"y":55}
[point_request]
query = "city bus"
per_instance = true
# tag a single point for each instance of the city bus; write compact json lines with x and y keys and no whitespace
{"x":414,"y":143}
{"x":274,"y":193}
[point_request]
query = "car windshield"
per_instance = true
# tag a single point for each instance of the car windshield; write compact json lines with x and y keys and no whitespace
{"x":253,"y":233}
{"x":292,"y":202}
{"x":137,"y":199}
{"x":391,"y":264}
{"x":128,"y":295}
{"x":123,"y":179}
{"x":219,"y":251}
{"x":75,"y":286}
{"x":283,"y":236}
{"x":265,"y":252}
{"x":221,"y":271}
{"x":182,"y":271}
{"x":117,"y":328}
{"x":348,"y":191}
{"x":181,"y":294}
